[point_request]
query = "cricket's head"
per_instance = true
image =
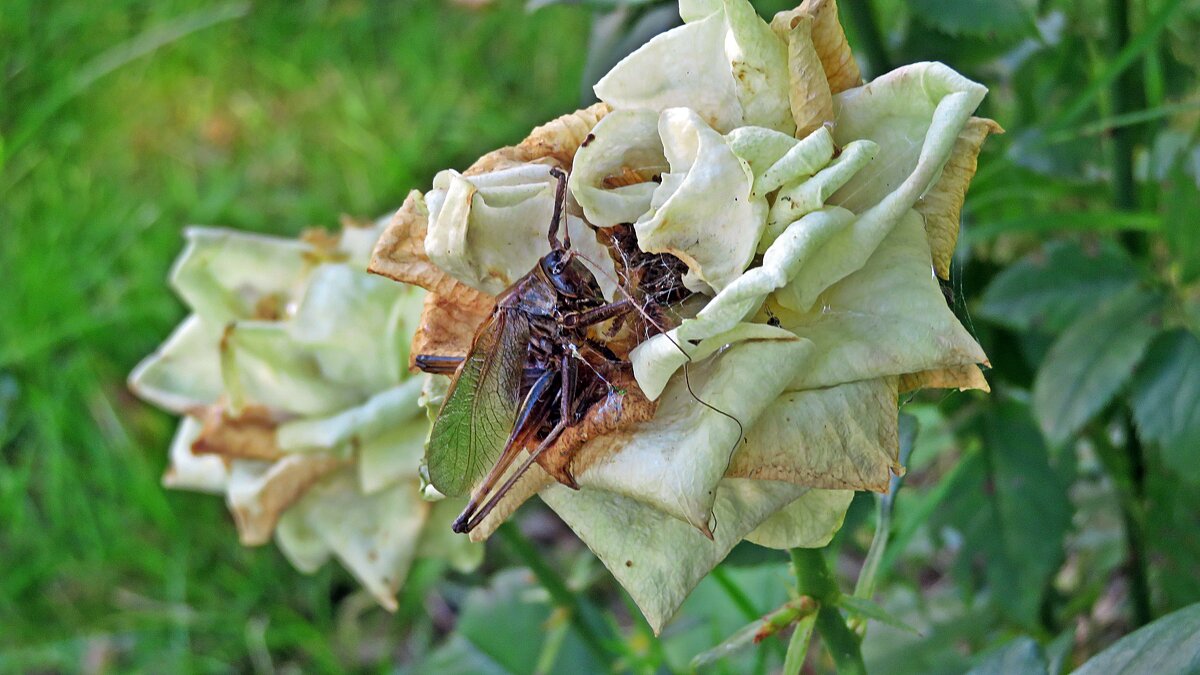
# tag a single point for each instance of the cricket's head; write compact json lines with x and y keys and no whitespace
{"x":570,"y":277}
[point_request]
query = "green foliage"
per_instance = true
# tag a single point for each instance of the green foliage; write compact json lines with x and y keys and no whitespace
{"x":1048,"y":290}
{"x":1166,"y":400}
{"x":983,"y":18}
{"x":1092,"y":359}
{"x":1169,"y":645}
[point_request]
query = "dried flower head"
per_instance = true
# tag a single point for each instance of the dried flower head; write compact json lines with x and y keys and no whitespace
{"x":812,"y":212}
{"x":291,"y":376}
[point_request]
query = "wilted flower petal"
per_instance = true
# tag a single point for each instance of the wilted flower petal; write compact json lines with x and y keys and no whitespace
{"x":809,"y":522}
{"x":185,"y":372}
{"x":724,"y":63}
{"x":488,"y":230}
{"x":888,"y":318}
{"x":703,"y":212}
{"x":612,"y":177}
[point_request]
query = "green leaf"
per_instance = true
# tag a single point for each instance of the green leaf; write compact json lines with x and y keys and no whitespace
{"x":1166,"y":400}
{"x":873,"y":611}
{"x":1014,"y":513}
{"x":1169,"y":645}
{"x":501,"y":630}
{"x":1049,"y":289}
{"x":1022,"y":655}
{"x":1180,"y":226}
{"x":984,"y":18}
{"x":1092,"y":360}
{"x":798,"y":645}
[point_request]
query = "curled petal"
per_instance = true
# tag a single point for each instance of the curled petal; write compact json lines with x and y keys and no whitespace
{"x":185,"y":372}
{"x":808,"y":92}
{"x":489,"y":230}
{"x":554,"y":142}
{"x":724,"y":63}
{"x":375,"y":536}
{"x":888,"y":318}
{"x":612,"y":178}
{"x":717,"y":324}
{"x":829,"y":41}
{"x":703,"y":212}
{"x":942,"y":204}
{"x":259,"y":493}
{"x":188,"y":471}
{"x":806,"y":195}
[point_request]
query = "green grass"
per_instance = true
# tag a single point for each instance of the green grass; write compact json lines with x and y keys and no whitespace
{"x":121,"y":123}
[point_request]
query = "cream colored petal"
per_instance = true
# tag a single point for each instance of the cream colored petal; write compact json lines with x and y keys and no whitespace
{"x":357,"y":326}
{"x":259,"y":492}
{"x":356,"y":425}
{"x":800,"y":197}
{"x":674,"y":461}
{"x":842,"y":437}
{"x":188,"y":471}
{"x":625,"y":146}
{"x":489,"y":230}
{"x":888,"y":318}
{"x":942,"y":204}
{"x":717,"y":324}
{"x":374,"y":536}
{"x":703,"y":212}
{"x":184,"y":373}
{"x":809,"y":522}
{"x":226,"y":275}
{"x":660,"y":560}
{"x":263,"y":364}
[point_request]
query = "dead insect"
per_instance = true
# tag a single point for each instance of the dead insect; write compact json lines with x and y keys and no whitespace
{"x":522,"y":384}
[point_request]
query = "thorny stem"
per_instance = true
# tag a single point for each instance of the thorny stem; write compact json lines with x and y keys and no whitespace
{"x":862,"y":17}
{"x":585,"y":623}
{"x":814,"y":579}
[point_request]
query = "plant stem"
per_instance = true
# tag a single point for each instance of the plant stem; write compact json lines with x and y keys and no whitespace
{"x":1124,"y":89}
{"x":814,"y":579}
{"x":1135,"y":535}
{"x":587,"y":624}
{"x":1128,"y":473}
{"x":862,"y":17}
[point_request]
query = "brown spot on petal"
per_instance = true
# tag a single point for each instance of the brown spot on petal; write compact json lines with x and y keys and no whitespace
{"x":250,"y":435}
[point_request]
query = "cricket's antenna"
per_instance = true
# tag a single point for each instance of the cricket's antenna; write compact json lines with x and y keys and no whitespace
{"x":560,"y":198}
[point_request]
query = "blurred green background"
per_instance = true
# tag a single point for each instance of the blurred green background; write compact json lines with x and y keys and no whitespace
{"x":122,"y":122}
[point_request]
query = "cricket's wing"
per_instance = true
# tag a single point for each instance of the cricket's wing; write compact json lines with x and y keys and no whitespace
{"x":480,"y":410}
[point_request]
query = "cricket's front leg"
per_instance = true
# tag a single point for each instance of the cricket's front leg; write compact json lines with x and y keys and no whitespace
{"x":588,"y":317}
